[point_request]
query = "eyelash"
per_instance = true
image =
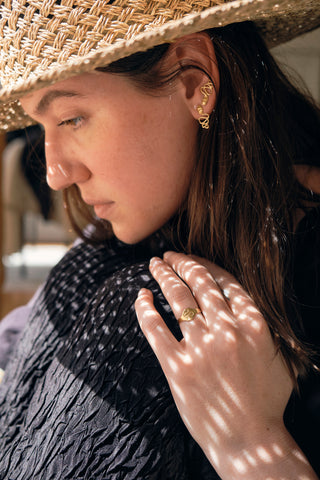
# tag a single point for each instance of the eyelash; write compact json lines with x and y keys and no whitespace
{"x":76,"y":122}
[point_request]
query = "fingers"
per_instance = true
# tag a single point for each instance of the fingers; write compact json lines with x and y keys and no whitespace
{"x":190,"y":282}
{"x":203,"y":287}
{"x":228,"y":290}
{"x":154,"y":328}
{"x":177,"y":293}
{"x":230,"y":287}
{"x":210,"y":285}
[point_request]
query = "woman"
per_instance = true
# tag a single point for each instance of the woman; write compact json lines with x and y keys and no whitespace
{"x":195,"y":145}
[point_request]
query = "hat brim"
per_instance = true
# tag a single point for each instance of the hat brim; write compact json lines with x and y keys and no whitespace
{"x":277,"y":21}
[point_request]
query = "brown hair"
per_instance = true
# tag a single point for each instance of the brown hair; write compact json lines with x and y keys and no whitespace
{"x":240,"y":207}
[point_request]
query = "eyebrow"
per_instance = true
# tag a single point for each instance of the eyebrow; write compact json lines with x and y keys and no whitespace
{"x":49,"y":97}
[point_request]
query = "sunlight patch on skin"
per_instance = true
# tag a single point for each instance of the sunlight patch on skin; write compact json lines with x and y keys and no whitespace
{"x":179,"y":392}
{"x":210,"y":294}
{"x":201,"y":281}
{"x":212,"y":432}
{"x":185,"y":358}
{"x":176,"y":306}
{"x":273,"y":455}
{"x":224,"y":316}
{"x":207,"y":302}
{"x":223,"y":404}
{"x":250,"y":459}
{"x":153,"y":337}
{"x":173,"y":365}
{"x":205,"y":278}
{"x":264,"y":455}
{"x":186,"y":335}
{"x":198,"y":351}
{"x":251,"y":341}
{"x":190,"y":269}
{"x":277,"y":450}
{"x":147,"y":313}
{"x":208,"y":337}
{"x":240,"y":466}
{"x":239,"y":300}
{"x":230,"y":337}
{"x":255,"y":325}
{"x":230,"y":392}
{"x":215,"y":458}
{"x":219,"y":421}
{"x":300,"y":457}
{"x":252,"y":309}
{"x":160,"y":329}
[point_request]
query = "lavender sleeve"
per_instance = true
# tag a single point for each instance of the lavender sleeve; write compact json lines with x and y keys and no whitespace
{"x":11,"y":327}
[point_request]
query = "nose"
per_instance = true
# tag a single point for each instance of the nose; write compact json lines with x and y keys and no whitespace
{"x":62,"y":171}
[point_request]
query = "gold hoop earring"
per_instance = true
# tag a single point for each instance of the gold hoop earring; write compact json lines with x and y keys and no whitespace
{"x":206,"y":91}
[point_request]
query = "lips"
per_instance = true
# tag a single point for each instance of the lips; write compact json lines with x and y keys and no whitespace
{"x":103,"y":210}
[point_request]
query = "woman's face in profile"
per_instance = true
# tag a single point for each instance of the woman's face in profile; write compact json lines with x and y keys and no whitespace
{"x":130,"y":153}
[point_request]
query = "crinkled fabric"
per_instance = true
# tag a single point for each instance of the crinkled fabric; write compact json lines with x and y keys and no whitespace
{"x":84,"y":396}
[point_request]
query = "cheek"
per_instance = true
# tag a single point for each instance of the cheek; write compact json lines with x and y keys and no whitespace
{"x":158,"y":188}
{"x":148,"y":158}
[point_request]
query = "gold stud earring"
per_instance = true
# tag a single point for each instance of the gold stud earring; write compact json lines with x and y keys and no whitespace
{"x":206,"y":91}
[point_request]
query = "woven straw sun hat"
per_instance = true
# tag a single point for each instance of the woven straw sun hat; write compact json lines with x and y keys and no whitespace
{"x":45,"y":41}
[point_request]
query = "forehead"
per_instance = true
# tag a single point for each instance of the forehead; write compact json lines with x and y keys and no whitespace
{"x":38,"y":102}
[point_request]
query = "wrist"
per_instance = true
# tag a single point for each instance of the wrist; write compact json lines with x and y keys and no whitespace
{"x":270,"y":455}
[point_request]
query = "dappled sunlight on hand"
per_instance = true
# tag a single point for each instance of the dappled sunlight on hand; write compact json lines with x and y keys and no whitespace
{"x":229,"y":384}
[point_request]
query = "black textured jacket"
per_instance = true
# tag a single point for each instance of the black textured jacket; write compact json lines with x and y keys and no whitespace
{"x":84,"y":396}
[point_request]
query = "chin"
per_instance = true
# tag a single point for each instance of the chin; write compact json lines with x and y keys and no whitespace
{"x":131,"y":238}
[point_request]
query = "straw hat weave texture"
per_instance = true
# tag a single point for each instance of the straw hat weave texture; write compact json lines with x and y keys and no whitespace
{"x":45,"y":41}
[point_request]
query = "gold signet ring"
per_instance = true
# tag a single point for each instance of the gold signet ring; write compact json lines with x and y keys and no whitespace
{"x":188,"y":314}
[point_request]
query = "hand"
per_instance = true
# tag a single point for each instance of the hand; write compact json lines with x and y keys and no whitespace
{"x":228,"y":381}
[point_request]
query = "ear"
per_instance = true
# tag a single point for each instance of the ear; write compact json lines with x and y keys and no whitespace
{"x":197,"y":50}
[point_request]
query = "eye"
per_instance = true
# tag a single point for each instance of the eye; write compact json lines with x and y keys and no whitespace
{"x":75,"y":122}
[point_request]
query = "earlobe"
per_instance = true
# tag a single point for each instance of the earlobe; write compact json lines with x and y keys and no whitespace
{"x":200,"y":84}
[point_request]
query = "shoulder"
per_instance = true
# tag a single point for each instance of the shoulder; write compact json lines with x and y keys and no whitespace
{"x":115,"y":298}
{"x":104,"y":278}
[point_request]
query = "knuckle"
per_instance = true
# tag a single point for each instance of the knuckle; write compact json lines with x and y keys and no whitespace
{"x":191,"y":269}
{"x":181,"y":297}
